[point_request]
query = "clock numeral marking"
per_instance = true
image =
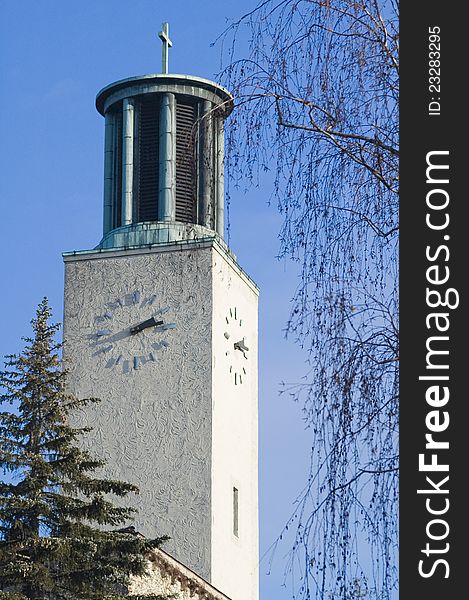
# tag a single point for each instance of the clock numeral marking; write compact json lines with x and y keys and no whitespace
{"x":118,"y":359}
{"x":102,"y":332}
{"x":149,"y":301}
{"x":227,"y":335}
{"x":136,"y":297}
{"x":106,"y":317}
{"x":107,"y":348}
{"x":227,"y":320}
{"x":136,"y":362}
{"x":115,"y":304}
{"x":166,"y":326}
{"x":129,"y":299}
{"x":244,"y":370}
{"x":152,"y":357}
{"x":240,"y":379}
{"x":162,"y":311}
{"x":159,"y":345}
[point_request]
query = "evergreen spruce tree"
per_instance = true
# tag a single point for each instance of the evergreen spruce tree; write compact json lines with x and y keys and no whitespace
{"x":54,"y":510}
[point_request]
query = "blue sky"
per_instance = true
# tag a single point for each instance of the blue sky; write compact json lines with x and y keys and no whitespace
{"x":54,"y":57}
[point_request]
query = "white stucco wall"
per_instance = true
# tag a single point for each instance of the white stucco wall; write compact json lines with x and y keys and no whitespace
{"x":234,"y":432}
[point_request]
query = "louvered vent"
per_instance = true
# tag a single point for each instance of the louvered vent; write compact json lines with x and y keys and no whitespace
{"x":117,"y":167}
{"x":186,"y":180}
{"x":147,"y":175}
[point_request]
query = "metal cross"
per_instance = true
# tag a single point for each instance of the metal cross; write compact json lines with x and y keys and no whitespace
{"x":167,"y":43}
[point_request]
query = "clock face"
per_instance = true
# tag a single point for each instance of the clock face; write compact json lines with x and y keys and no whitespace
{"x":131,"y":331}
{"x":236,"y":348}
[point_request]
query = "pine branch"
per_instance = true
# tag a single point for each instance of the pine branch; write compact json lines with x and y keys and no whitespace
{"x":52,"y":541}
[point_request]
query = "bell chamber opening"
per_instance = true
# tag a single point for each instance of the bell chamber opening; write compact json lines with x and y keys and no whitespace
{"x":146,"y":160}
{"x":164,"y":152}
{"x":186,"y":161}
{"x":145,"y":204}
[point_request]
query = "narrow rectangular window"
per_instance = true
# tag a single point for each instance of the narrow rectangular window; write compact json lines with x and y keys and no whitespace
{"x":235,"y":512}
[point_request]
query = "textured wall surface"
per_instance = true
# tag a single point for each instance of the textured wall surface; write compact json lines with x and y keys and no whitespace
{"x":153,"y":424}
{"x":178,"y":415}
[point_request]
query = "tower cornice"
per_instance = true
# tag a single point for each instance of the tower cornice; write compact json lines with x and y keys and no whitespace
{"x":182,"y":245}
{"x":162,"y":82}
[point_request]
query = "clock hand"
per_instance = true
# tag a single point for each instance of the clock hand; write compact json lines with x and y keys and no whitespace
{"x":152,"y":322}
{"x":241,"y":346}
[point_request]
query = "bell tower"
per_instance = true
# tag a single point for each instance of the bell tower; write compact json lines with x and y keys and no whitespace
{"x":160,"y":323}
{"x":163,"y":163}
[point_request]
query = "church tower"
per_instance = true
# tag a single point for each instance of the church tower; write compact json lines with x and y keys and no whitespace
{"x":160,"y":323}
